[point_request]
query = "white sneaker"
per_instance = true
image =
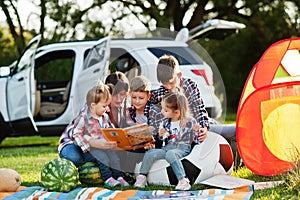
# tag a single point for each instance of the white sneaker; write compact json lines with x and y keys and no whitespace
{"x":141,"y":181}
{"x":183,"y":184}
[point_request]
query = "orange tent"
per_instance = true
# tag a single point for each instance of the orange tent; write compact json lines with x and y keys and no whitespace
{"x":268,"y":117}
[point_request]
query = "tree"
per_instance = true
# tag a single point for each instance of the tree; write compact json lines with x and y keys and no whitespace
{"x":267,"y":21}
{"x":17,"y":30}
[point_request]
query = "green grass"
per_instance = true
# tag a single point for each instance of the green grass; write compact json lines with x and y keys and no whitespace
{"x":27,"y":155}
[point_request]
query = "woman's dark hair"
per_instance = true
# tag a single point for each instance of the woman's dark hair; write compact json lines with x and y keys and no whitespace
{"x":119,"y":80}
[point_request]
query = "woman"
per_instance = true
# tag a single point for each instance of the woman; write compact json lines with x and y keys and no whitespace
{"x":117,"y":110}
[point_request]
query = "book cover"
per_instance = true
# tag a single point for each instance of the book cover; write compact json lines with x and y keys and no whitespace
{"x":129,"y":138}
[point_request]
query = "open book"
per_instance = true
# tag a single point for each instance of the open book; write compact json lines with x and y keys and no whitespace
{"x":129,"y":138}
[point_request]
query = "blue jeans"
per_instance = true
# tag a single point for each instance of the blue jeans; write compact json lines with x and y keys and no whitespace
{"x":74,"y":153}
{"x":108,"y":162}
{"x":172,"y":153}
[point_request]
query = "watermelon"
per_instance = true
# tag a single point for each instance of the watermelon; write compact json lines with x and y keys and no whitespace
{"x":59,"y":175}
{"x":89,"y":174}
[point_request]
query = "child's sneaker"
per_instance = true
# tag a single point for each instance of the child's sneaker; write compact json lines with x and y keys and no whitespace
{"x":122,"y":181}
{"x":183,"y":184}
{"x":141,"y":181}
{"x":111,"y":182}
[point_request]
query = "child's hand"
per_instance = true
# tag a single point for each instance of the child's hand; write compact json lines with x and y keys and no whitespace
{"x":196,"y":127}
{"x":163,"y":133}
{"x":202,"y":132}
{"x":110,"y":145}
{"x":102,"y":144}
{"x":151,"y":128}
{"x":149,"y":146}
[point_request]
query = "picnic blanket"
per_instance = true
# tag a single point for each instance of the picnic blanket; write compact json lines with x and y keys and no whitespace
{"x":39,"y":193}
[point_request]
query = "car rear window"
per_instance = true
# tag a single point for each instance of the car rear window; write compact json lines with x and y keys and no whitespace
{"x":184,"y":55}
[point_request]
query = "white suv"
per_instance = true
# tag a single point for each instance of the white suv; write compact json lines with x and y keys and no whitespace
{"x":46,"y":87}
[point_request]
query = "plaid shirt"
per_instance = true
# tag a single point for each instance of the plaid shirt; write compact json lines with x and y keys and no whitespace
{"x":185,"y":135}
{"x":192,"y":93}
{"x":84,"y":124}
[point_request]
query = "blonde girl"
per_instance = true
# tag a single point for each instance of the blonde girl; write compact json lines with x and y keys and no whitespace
{"x":83,"y":140}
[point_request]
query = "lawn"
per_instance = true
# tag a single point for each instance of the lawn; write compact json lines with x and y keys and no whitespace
{"x":27,"y":155}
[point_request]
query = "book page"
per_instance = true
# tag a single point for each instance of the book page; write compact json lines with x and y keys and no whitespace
{"x":139,"y":135}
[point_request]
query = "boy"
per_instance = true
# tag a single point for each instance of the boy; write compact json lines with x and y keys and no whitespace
{"x":139,"y":95}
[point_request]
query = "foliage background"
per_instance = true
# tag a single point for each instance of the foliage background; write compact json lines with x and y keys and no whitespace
{"x":267,"y":21}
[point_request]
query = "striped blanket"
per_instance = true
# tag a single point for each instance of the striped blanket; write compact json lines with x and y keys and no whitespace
{"x":39,"y":193}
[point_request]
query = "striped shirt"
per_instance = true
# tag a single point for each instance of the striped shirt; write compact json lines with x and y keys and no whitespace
{"x":135,"y":117}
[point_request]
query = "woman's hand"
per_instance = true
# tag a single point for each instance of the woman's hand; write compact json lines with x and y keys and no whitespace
{"x":102,"y":144}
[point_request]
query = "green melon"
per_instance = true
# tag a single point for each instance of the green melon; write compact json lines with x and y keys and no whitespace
{"x":89,"y":174}
{"x":59,"y":175}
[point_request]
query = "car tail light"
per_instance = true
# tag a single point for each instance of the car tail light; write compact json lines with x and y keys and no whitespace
{"x":201,"y":72}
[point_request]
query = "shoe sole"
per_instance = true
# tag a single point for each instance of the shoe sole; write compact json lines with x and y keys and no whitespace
{"x":183,"y":188}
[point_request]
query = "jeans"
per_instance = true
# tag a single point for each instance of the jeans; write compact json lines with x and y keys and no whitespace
{"x":74,"y":153}
{"x":172,"y":153}
{"x":108,"y":162}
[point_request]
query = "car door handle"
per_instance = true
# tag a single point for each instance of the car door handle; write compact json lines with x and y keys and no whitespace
{"x":96,"y":70}
{"x":21,"y":79}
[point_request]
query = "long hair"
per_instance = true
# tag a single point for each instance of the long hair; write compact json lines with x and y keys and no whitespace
{"x":178,"y":101}
{"x":117,"y":83}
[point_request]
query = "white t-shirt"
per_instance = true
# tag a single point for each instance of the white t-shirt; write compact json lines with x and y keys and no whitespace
{"x":175,"y":129}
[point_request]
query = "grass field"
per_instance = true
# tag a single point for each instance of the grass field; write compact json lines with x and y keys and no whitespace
{"x":27,"y":155}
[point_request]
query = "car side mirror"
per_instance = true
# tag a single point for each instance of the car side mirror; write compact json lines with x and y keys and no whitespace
{"x":4,"y":71}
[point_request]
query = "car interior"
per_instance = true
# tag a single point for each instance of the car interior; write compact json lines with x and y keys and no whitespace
{"x":53,"y":74}
{"x":121,"y":60}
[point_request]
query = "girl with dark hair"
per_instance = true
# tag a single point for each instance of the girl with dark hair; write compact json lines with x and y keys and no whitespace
{"x":178,"y":130}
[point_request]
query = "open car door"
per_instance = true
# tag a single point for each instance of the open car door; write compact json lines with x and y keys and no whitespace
{"x":211,"y":29}
{"x":20,"y":90}
{"x":94,"y":68}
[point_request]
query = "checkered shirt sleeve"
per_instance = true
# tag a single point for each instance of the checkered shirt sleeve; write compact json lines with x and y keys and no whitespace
{"x":155,"y":118}
{"x":78,"y":135}
{"x":156,"y":97}
{"x":196,"y":104}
